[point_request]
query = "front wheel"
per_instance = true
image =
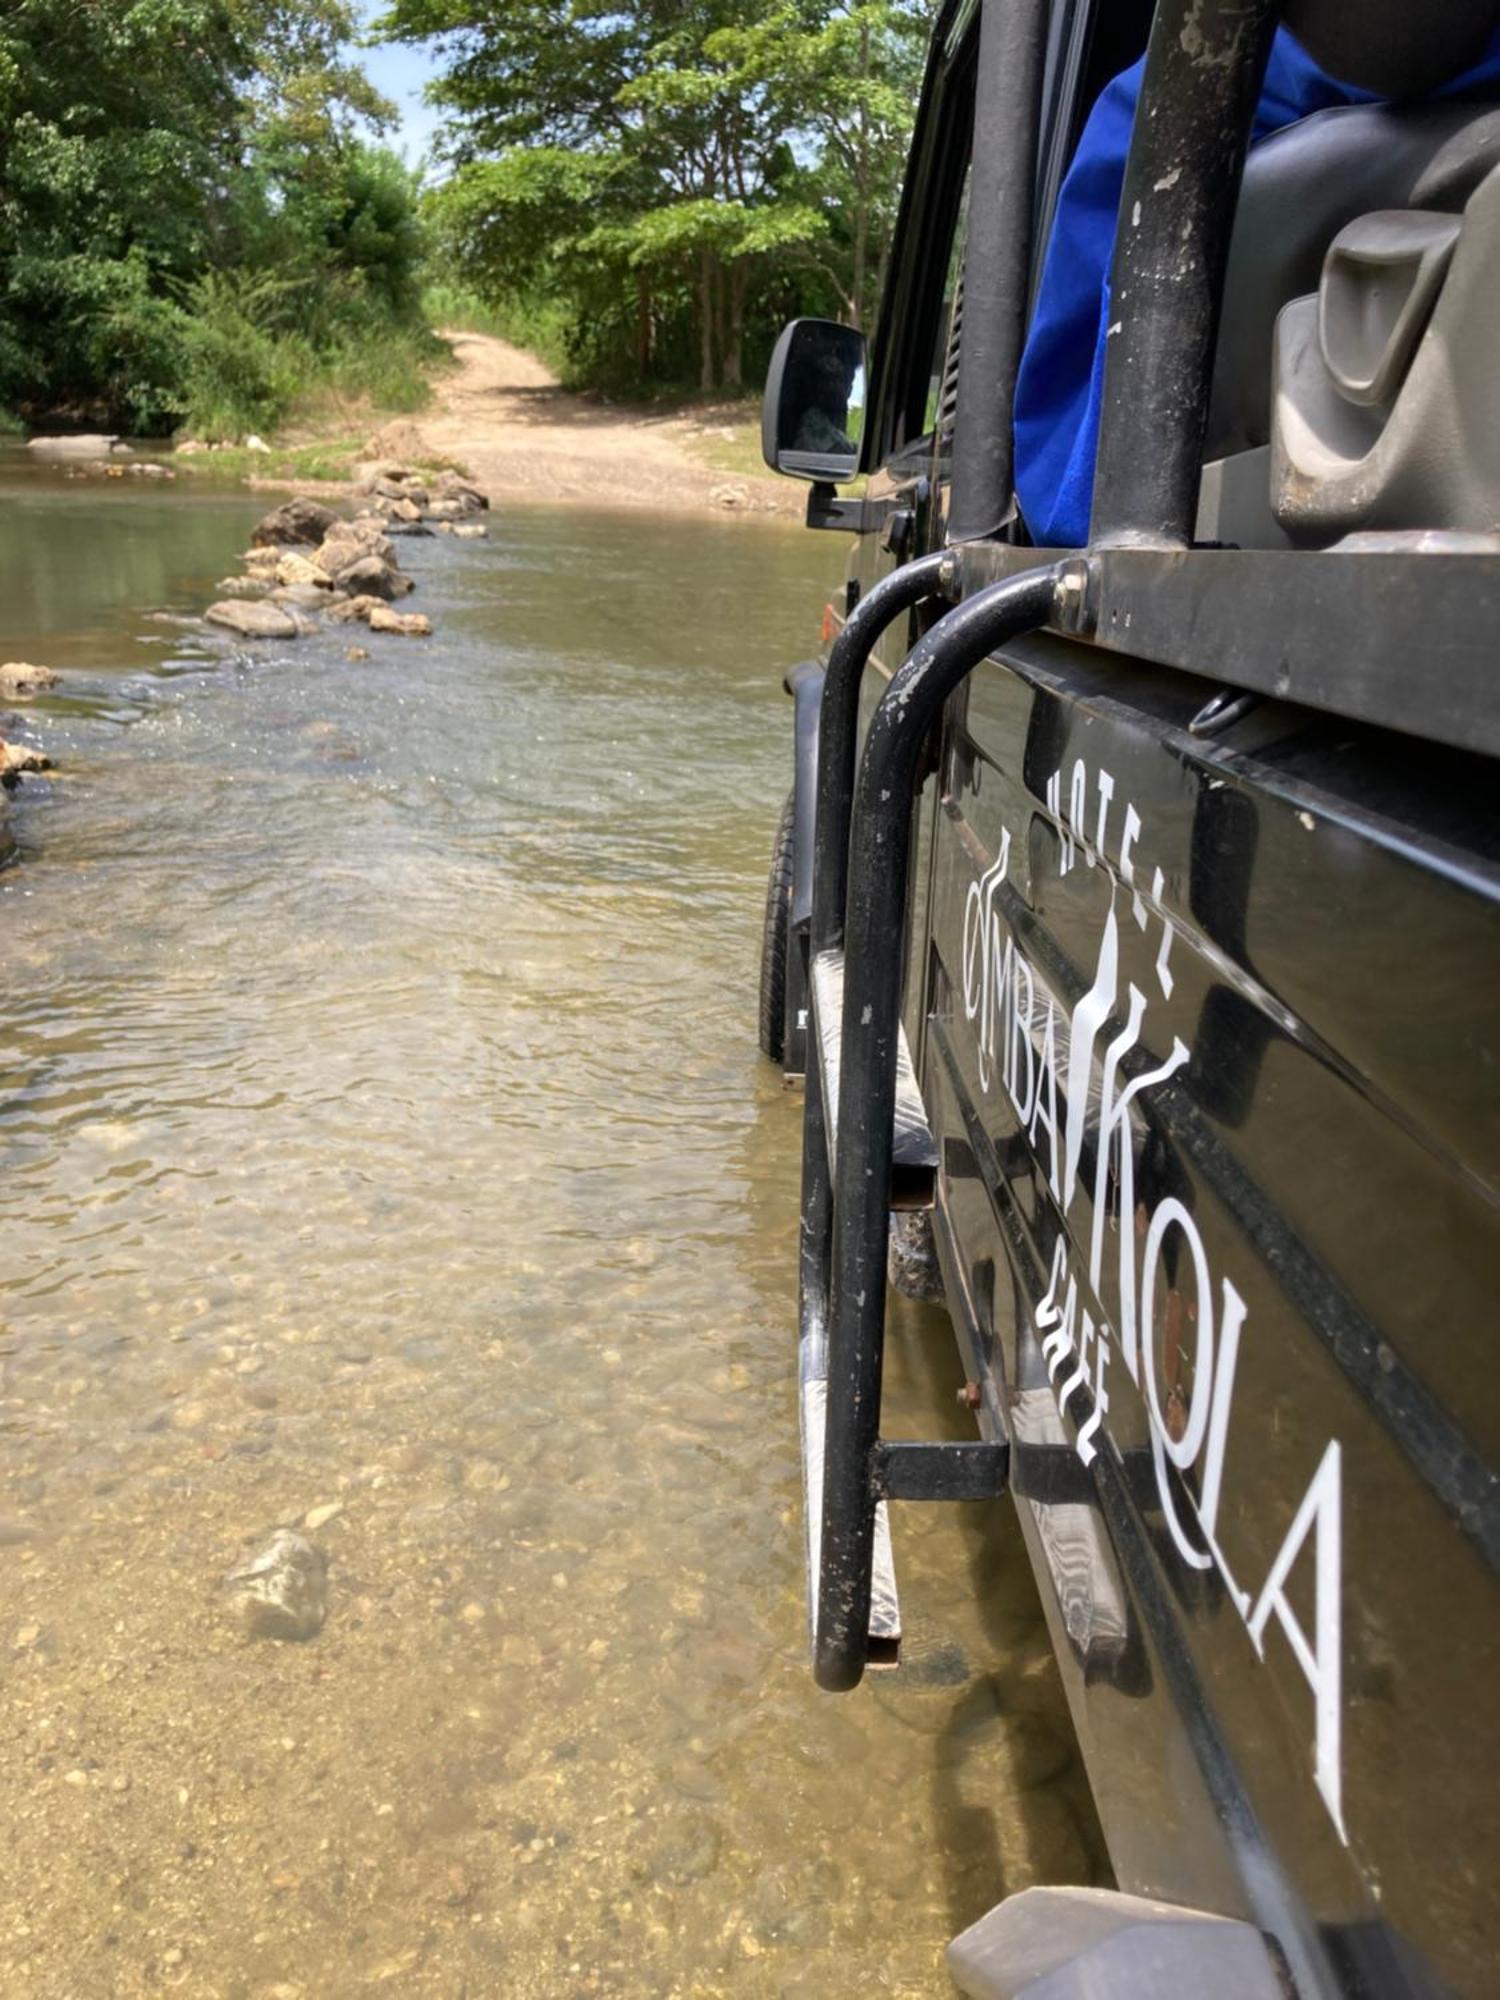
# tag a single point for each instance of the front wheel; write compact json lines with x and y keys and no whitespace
{"x":776,"y":938}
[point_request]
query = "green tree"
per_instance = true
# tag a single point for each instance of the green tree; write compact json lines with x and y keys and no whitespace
{"x":691,"y":168}
{"x":857,"y":78}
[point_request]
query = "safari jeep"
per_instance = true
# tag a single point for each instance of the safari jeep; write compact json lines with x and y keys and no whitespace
{"x":1135,"y":919}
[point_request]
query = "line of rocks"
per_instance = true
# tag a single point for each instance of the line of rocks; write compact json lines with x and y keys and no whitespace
{"x":304,"y":558}
{"x":19,"y":680}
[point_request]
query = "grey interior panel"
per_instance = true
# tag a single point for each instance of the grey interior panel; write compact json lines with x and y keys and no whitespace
{"x":1425,"y":452}
{"x":1304,"y":185}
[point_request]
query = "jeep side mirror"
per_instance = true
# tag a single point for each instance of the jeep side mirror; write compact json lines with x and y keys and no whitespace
{"x":813,"y":414}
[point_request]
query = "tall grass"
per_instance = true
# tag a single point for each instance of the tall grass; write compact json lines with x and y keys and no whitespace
{"x":542,"y":326}
{"x":257,"y":353}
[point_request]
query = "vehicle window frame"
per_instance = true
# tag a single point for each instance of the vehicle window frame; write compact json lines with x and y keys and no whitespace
{"x":912,"y":307}
{"x":1086,"y":49}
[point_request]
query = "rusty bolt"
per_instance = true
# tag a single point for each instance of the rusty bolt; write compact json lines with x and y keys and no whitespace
{"x":1074,"y":612}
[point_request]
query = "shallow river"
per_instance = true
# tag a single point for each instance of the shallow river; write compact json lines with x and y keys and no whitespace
{"x":381,"y":1131}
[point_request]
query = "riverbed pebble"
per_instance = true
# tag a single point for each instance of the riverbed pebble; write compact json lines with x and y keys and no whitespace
{"x":282,"y":1591}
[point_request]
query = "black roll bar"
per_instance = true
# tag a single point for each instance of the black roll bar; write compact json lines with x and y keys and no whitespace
{"x":1204,"y":65}
{"x":838,"y":731}
{"x":879,"y":861}
{"x":997,"y":262}
{"x":838,"y":746}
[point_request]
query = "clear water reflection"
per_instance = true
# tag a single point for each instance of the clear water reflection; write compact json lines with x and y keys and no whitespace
{"x":381,"y":1131}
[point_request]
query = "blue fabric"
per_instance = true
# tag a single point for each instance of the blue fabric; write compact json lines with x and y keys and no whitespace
{"x":1062,"y":370}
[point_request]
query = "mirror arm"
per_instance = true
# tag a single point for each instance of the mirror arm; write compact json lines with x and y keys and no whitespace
{"x":849,"y":517}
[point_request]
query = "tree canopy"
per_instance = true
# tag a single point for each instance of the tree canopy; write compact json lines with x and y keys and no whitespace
{"x":195,"y":210}
{"x":681,"y":176}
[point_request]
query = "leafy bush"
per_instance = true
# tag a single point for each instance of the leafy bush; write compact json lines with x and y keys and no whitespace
{"x":190,"y":227}
{"x":235,"y":374}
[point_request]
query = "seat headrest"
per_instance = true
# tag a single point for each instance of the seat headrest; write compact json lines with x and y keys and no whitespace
{"x":1396,"y":48}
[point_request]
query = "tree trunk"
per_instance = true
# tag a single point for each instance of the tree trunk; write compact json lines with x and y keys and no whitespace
{"x":642,"y":325}
{"x":882,"y":269}
{"x":862,"y":187}
{"x":721,"y":317}
{"x":861,"y":253}
{"x":734,"y":346}
{"x":706,"y":317}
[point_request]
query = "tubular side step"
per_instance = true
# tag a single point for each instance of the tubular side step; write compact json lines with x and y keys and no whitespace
{"x":913,"y":1150}
{"x":885,"y":1608}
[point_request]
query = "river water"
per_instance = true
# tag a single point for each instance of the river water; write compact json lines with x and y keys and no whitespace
{"x":381,"y":1130}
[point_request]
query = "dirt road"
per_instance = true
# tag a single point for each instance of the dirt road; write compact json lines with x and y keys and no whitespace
{"x":503,"y":415}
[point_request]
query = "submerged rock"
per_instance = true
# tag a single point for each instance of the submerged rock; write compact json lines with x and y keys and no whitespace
{"x":282,"y":1592}
{"x":16,"y":758}
{"x":20,"y":677}
{"x":253,"y":620}
{"x":356,"y":608}
{"x":296,"y":520}
{"x":412,"y":624}
{"x":91,"y":445}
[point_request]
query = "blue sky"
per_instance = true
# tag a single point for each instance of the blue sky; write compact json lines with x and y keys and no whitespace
{"x":399,"y":71}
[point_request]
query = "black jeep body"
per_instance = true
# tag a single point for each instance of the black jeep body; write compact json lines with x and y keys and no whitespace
{"x":1142,"y":936}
